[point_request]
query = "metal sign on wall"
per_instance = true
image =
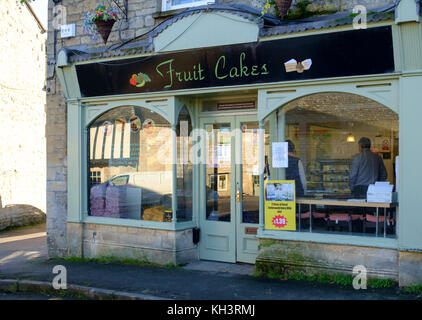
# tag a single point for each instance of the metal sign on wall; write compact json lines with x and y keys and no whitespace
{"x":339,"y":54}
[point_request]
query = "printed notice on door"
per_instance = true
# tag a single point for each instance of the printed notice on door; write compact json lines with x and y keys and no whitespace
{"x":280,"y":205}
{"x":280,"y":157}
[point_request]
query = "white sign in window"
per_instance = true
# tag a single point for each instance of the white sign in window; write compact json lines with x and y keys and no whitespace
{"x":280,"y":155}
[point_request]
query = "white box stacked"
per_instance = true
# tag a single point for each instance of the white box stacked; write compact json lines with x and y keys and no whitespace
{"x":380,"y":192}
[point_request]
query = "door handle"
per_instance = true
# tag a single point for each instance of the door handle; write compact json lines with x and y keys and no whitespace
{"x":238,"y":195}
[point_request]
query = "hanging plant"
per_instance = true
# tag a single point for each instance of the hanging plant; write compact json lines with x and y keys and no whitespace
{"x":100,"y":21}
{"x":281,"y":7}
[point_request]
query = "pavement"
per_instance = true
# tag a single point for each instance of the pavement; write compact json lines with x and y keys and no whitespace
{"x":23,"y":258}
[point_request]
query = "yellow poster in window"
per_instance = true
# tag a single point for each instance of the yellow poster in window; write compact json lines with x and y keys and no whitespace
{"x":280,"y":205}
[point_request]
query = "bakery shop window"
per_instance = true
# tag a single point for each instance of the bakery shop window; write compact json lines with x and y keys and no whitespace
{"x":128,"y":158}
{"x":342,"y":154}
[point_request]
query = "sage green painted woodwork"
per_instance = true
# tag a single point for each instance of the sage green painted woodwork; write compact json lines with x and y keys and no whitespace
{"x":246,"y":244}
{"x":218,"y":238}
{"x":75,"y":146}
{"x":80,"y":115}
{"x":409,"y":43}
{"x":261,"y":174}
{"x":220,"y":28}
{"x":406,"y":11}
{"x":239,"y":246}
{"x":410,"y":173}
{"x":69,"y":81}
{"x":383,"y":89}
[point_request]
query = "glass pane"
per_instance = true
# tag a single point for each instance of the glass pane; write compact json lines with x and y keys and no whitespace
{"x":339,"y":144}
{"x":218,"y":171}
{"x":130,"y":174}
{"x":119,"y":181}
{"x":250,"y":172}
{"x":184,"y":167}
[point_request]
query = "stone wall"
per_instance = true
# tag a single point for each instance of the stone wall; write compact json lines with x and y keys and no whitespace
{"x":341,"y":5}
{"x":287,"y":257}
{"x":283,"y":258}
{"x":22,"y":108}
{"x":157,"y":246}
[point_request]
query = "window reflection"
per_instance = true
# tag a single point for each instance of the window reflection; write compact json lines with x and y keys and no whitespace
{"x":131,"y":176}
{"x":184,"y":167}
{"x":218,"y":171}
{"x":250,"y":172}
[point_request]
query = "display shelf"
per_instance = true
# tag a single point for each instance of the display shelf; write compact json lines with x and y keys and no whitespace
{"x":330,"y":175}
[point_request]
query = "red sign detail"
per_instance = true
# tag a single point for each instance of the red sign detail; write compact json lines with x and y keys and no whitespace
{"x":386,"y":145}
{"x":279,"y":221}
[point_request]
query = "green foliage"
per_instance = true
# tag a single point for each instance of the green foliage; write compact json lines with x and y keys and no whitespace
{"x":344,"y":280}
{"x":340,"y":279}
{"x":172,"y":266}
{"x":257,"y":274}
{"x":277,"y":12}
{"x":381,"y":283}
{"x":416,"y":289}
{"x":13,"y":288}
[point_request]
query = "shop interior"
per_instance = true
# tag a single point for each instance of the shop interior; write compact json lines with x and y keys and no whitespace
{"x":325,"y":129}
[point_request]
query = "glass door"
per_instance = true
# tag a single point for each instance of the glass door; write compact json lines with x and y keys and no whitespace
{"x":230,"y":189}
{"x":217,"y":218}
{"x":247,"y":197}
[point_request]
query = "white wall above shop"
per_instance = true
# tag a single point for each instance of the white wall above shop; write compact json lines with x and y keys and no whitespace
{"x":206,"y":30}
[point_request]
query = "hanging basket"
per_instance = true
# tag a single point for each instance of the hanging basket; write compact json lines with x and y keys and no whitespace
{"x":283,"y":7}
{"x":104,"y":28}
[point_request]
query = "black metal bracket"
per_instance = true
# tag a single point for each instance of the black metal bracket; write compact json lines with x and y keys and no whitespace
{"x":195,"y":235}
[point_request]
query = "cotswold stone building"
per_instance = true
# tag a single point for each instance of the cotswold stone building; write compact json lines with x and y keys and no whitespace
{"x":22,"y":109}
{"x":180,"y":139}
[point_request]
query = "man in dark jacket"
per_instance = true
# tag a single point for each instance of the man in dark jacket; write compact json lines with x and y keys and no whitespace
{"x":367,"y":168}
{"x":295,"y":170}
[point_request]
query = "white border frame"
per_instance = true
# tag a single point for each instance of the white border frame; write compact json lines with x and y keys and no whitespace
{"x":165,"y":7}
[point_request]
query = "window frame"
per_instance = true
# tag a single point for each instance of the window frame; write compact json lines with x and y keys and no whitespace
{"x":340,"y":237}
{"x":170,"y":111}
{"x":113,"y":220}
{"x":169,"y":7}
{"x":95,"y":175}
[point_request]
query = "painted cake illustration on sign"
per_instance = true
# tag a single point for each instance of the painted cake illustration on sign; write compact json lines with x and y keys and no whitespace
{"x":293,"y":65}
{"x":139,"y":80}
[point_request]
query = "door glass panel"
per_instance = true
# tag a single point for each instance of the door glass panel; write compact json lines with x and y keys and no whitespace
{"x":250,"y":172}
{"x":218,"y":171}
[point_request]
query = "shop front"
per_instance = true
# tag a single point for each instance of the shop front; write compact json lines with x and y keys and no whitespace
{"x":169,"y":150}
